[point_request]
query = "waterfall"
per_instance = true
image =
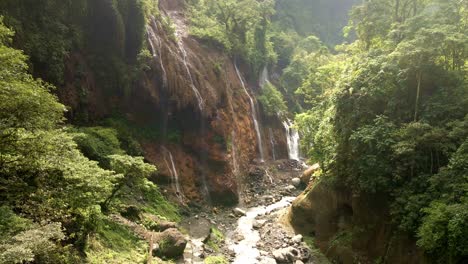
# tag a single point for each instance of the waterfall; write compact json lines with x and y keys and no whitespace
{"x":153,"y":41}
{"x":263,"y":79}
{"x":254,"y":115}
{"x":234,"y":153}
{"x":174,"y":175}
{"x":192,"y":84}
{"x":272,"y":142}
{"x":292,"y":137}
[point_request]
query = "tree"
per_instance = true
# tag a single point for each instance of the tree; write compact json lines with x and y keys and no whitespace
{"x":135,"y":173}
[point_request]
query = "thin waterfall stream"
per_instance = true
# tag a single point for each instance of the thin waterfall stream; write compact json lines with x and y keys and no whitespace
{"x":154,"y":41}
{"x":192,"y":84}
{"x":292,"y":138}
{"x":272,"y":142}
{"x":254,"y":115}
{"x":174,"y":175}
{"x":263,"y":78}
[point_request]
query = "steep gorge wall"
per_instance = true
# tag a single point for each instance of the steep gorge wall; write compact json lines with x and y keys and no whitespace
{"x":218,"y":142}
{"x":103,"y":77}
{"x":351,"y":228}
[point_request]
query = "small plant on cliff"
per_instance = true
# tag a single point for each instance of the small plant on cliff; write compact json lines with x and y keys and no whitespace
{"x":272,"y":100}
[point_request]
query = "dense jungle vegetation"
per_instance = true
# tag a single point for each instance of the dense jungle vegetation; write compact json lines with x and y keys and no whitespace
{"x":60,"y":183}
{"x":384,"y":114}
{"x":380,"y":97}
{"x":387,"y":114}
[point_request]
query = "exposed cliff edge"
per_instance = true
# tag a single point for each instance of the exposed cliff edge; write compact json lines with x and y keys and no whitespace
{"x":351,"y":228}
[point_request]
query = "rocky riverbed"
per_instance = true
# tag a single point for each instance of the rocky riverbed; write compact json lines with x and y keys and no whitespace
{"x":256,"y":231}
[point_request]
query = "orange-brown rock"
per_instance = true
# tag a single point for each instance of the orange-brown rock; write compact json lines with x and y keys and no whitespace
{"x":305,"y":177}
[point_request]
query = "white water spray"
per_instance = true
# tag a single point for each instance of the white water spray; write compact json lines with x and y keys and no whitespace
{"x":292,"y":138}
{"x":263,"y":79}
{"x":254,"y":115}
{"x":153,"y":41}
{"x":192,"y":84}
{"x":174,"y":175}
{"x":272,"y":142}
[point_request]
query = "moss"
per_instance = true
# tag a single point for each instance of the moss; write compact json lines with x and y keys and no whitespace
{"x":114,"y":243}
{"x":216,"y":260}
{"x":321,"y":258}
{"x":215,"y":239}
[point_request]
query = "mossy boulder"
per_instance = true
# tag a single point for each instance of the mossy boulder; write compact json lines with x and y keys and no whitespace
{"x":171,"y":244}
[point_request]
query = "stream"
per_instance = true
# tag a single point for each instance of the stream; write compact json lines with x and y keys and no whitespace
{"x":246,"y":250}
{"x":257,"y":231}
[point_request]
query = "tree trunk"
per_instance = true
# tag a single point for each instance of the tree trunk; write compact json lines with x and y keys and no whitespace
{"x":418,"y":93}
{"x":397,"y":11}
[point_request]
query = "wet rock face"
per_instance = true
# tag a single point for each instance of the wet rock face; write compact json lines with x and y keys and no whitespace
{"x":214,"y":127}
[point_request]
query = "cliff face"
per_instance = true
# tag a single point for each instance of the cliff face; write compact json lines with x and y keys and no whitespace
{"x":351,"y":228}
{"x":190,"y":94}
{"x":196,"y":90}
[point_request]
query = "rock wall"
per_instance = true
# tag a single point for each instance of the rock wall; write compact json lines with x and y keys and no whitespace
{"x":212,"y":142}
{"x":351,"y":228}
{"x":218,"y":142}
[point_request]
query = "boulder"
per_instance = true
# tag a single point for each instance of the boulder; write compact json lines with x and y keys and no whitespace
{"x":297,"y":239}
{"x":296,"y":182}
{"x":239,"y":212}
{"x":257,"y":224}
{"x":170,"y":244}
{"x":286,"y":255}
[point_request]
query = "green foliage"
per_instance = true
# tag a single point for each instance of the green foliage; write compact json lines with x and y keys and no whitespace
{"x":388,"y":115}
{"x":272,"y":100}
{"x":113,"y":243}
{"x":444,"y":229}
{"x":135,"y":173}
{"x":97,"y":143}
{"x":51,"y":194}
{"x":239,"y":27}
{"x":106,"y":35}
{"x":33,"y":244}
{"x":215,"y":239}
{"x":324,"y":19}
{"x":216,"y":260}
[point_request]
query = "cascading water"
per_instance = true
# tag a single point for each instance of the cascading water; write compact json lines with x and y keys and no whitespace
{"x":292,"y":137}
{"x":272,"y":142}
{"x":254,"y":115}
{"x":263,"y":79}
{"x":192,"y":84}
{"x":153,"y":41}
{"x":174,"y":175}
{"x":234,"y":153}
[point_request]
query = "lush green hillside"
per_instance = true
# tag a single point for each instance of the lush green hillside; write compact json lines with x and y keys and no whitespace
{"x":388,"y":115}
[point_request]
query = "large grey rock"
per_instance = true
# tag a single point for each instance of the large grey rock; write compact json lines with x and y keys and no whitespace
{"x":296,"y":182}
{"x":170,"y":244}
{"x":239,"y":212}
{"x":257,"y":224}
{"x":297,"y":239}
{"x":286,"y":255}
